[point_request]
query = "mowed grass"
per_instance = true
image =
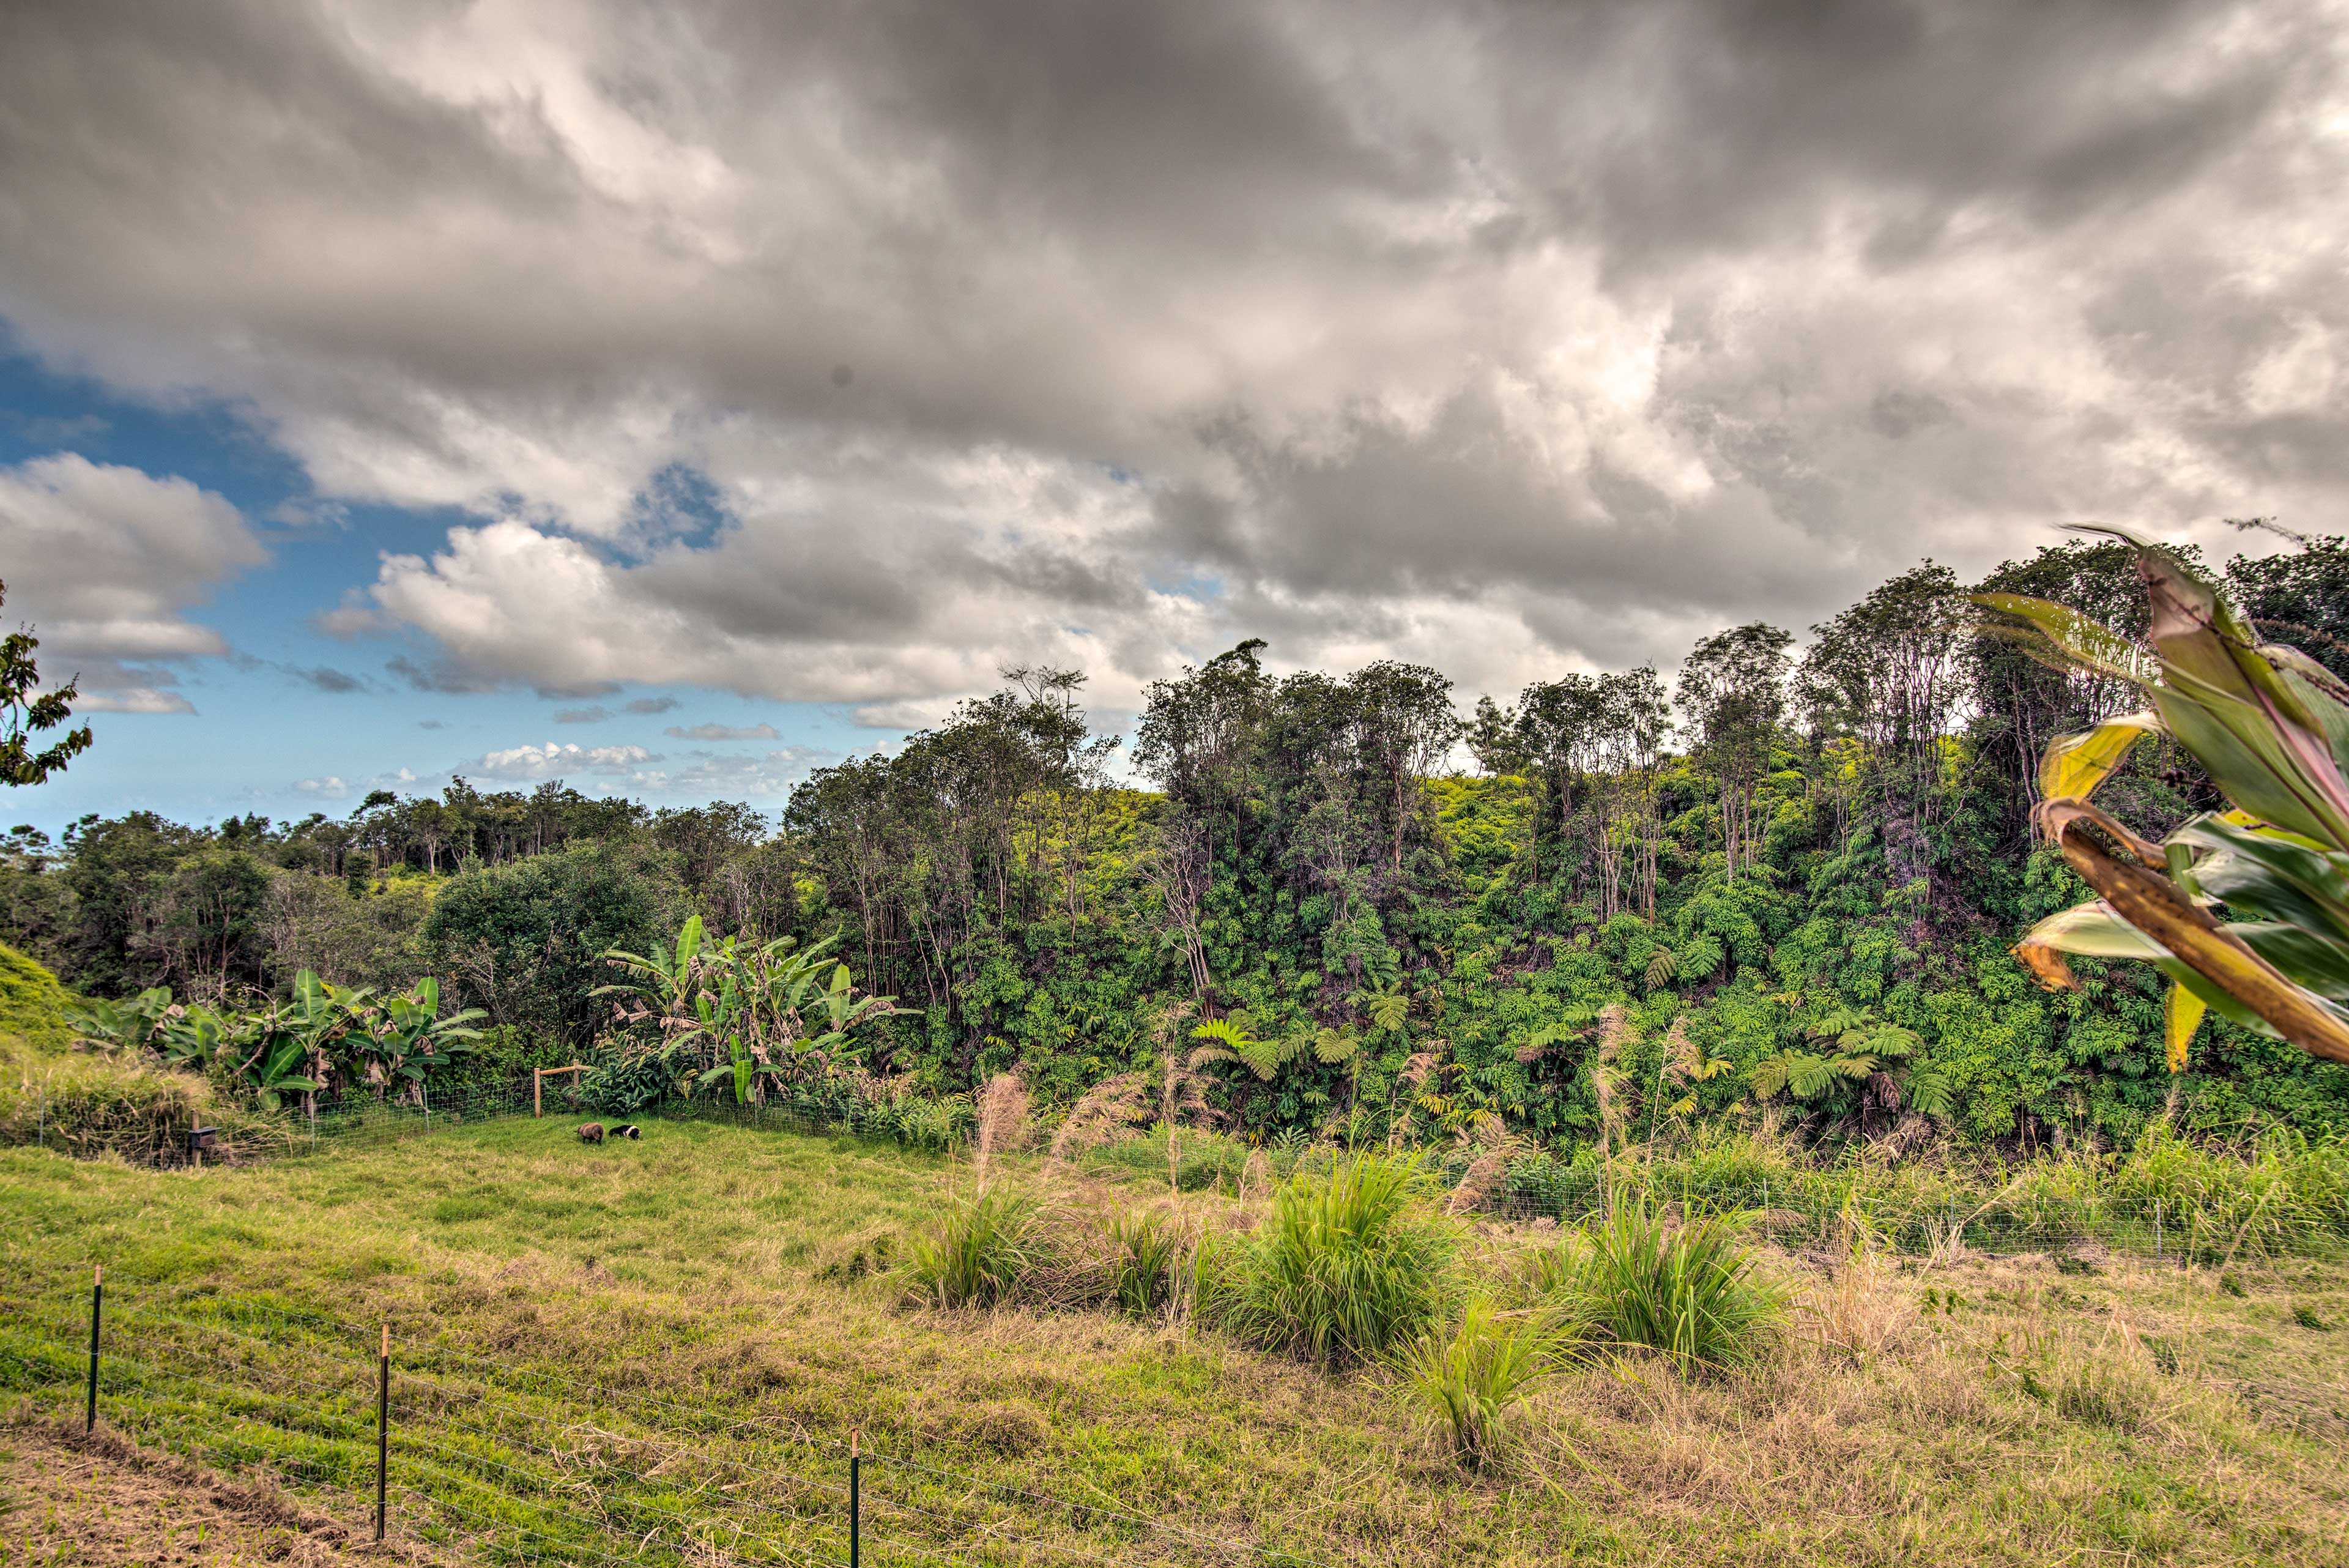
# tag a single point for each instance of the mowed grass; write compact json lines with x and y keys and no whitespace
{"x":1996,"y":1411}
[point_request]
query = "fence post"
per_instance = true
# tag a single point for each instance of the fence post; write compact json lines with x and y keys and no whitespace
{"x":97,"y":1298}
{"x":382,"y":1429}
{"x":856,"y":1498}
{"x":537,"y":1091}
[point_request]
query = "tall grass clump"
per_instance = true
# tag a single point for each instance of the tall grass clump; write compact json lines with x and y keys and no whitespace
{"x":1146,"y":1266}
{"x":1692,"y":1293}
{"x":1467,"y":1383}
{"x":1351,"y":1262}
{"x":2282,"y":1194}
{"x":88,"y":1104}
{"x":978,"y":1253}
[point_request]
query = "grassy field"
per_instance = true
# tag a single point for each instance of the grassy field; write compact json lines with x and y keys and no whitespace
{"x":1980,"y":1411}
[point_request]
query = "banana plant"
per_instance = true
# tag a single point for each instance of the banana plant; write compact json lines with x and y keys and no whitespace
{"x":740,"y":1066}
{"x":275,"y":1052}
{"x":194,"y":1036}
{"x":742,"y":1011}
{"x":130,"y":1024}
{"x":2246,"y":911}
{"x":406,"y":1035}
{"x":295,"y":1043}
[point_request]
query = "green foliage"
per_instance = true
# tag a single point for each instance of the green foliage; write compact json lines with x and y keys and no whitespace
{"x":1351,"y":1263}
{"x":1467,"y":1383}
{"x":325,"y":1037}
{"x":525,"y":941}
{"x":978,"y":1253}
{"x":625,"y":1085}
{"x":88,"y":1104}
{"x":1689,"y":1291}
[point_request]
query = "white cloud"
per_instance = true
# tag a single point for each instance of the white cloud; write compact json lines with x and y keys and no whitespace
{"x":328,"y":788}
{"x":105,"y":561}
{"x":555,"y":758}
{"x":131,"y":699}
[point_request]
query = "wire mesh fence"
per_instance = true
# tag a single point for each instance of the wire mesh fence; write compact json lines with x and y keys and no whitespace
{"x":443,"y":1449}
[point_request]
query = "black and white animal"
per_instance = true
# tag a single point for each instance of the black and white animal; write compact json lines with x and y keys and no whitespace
{"x":627,"y":1129}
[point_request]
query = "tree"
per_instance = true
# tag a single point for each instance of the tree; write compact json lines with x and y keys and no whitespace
{"x":30,"y":711}
{"x":1406,"y":726}
{"x":1888,"y":673}
{"x":1734,"y":687}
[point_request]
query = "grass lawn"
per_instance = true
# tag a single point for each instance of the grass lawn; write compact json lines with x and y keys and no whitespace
{"x":1986,"y":1411}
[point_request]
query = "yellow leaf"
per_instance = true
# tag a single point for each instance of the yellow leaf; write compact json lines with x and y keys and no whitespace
{"x":2075,"y":764}
{"x":2181,"y":1015}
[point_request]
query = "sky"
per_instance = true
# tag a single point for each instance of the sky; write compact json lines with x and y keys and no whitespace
{"x":672,"y":400}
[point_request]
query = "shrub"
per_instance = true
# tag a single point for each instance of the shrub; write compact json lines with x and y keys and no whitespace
{"x":618,"y":1087}
{"x":1466,"y":1383}
{"x":1350,"y":1265}
{"x":526,"y":938}
{"x":1691,"y":1294}
{"x":978,"y":1252}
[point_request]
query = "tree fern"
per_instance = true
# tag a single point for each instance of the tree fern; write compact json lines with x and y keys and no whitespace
{"x":1233,"y":1043}
{"x":1331,"y":1046}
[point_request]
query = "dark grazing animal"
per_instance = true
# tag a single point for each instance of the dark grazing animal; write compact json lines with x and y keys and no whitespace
{"x":627,"y":1129}
{"x":592,"y":1133}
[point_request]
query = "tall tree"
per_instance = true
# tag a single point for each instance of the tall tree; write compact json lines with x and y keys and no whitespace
{"x":1733,"y":688}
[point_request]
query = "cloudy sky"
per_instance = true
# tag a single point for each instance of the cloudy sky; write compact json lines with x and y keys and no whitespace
{"x":671,"y":399}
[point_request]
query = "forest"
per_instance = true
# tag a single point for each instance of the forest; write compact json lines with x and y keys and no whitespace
{"x":1781,"y":885}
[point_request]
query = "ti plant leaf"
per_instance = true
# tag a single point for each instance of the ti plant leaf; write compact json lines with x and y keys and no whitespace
{"x":2270,"y":726}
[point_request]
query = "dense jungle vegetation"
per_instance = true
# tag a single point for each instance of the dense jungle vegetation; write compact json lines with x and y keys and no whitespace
{"x":1784,"y":886}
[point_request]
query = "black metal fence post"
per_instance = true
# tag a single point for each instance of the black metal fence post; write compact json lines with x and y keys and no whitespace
{"x":855,"y":1499}
{"x":382,"y":1427}
{"x":97,"y":1299}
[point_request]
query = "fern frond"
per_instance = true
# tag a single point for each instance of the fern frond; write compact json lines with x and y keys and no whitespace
{"x":1331,"y":1046}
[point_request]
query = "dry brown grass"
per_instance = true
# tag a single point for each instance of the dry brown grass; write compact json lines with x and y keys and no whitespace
{"x":1859,"y":1308}
{"x":1003,"y":1125}
{"x":99,"y":1501}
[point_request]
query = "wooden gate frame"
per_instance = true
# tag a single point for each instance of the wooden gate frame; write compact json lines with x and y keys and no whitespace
{"x":538,"y":1084}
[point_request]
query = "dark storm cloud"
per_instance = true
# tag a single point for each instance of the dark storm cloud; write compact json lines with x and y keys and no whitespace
{"x":1499,"y":335}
